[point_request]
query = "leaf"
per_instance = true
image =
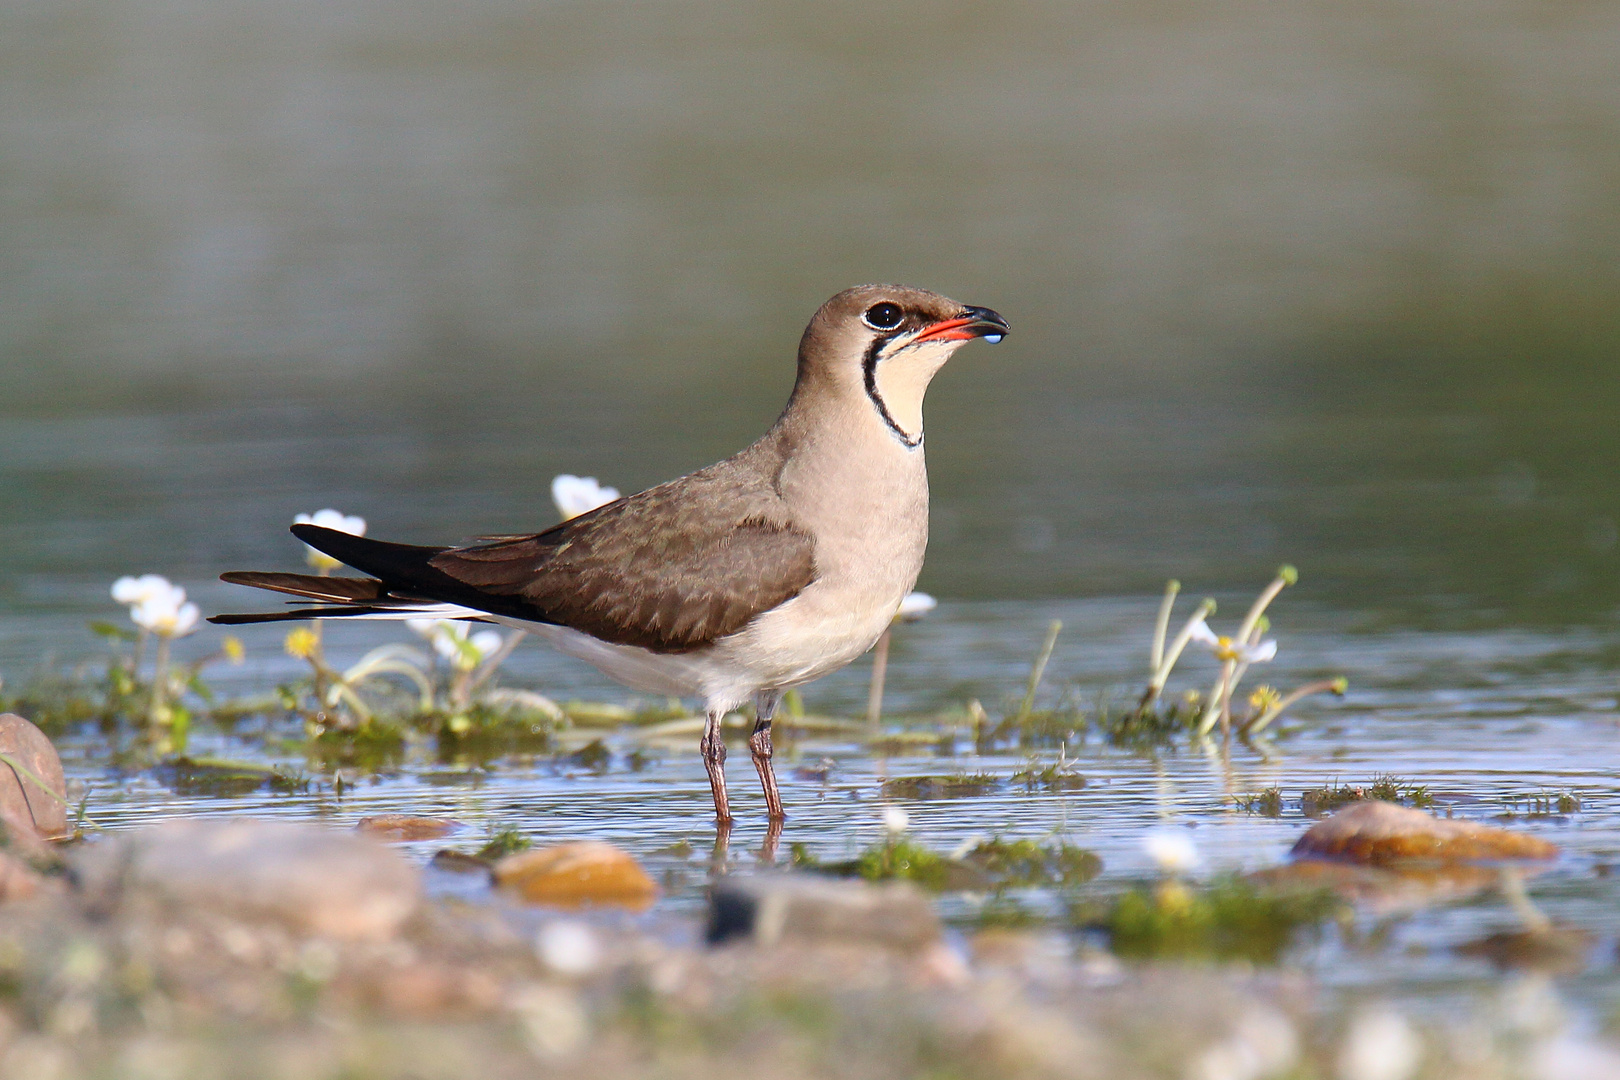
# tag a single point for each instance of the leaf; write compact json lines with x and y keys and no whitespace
{"x":111,"y":631}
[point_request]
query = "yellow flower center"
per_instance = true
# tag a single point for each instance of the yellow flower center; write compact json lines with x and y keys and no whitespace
{"x":301,"y":643}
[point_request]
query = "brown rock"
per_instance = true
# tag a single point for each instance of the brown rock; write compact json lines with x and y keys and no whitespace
{"x":771,"y":908}
{"x":405,"y":827}
{"x":18,"y":880}
{"x":1381,"y":833}
{"x":29,"y":762}
{"x":314,"y":880}
{"x":1383,"y":890}
{"x":578,"y":875}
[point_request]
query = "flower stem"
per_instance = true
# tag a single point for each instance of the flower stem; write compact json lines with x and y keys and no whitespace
{"x":1162,"y":626}
{"x":880,"y":671}
{"x":160,"y":682}
{"x":1219,"y":699}
{"x":1038,"y":668}
{"x":1336,"y":686}
{"x":1286,"y":575}
{"x":496,"y":659}
{"x":1161,"y":674}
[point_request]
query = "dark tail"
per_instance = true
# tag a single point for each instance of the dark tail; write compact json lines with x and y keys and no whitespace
{"x":403,"y":584}
{"x":303,"y":614}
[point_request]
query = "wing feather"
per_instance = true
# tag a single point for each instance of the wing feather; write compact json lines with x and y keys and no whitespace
{"x":670,"y":569}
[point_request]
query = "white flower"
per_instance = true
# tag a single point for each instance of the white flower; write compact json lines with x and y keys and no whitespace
{"x":915,"y":606}
{"x":454,"y":640}
{"x":895,"y":821}
{"x":337,"y":521}
{"x":1225,"y":648}
{"x":568,"y":947}
{"x":576,"y":495}
{"x":132,"y":590}
{"x":1172,"y":850}
{"x":1380,"y":1045}
{"x":165,"y":611}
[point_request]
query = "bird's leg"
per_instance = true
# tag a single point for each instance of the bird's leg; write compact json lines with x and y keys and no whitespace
{"x":759,"y":747}
{"x":713,"y":748}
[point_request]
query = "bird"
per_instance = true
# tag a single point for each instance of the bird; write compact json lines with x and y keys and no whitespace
{"x":738,"y":581}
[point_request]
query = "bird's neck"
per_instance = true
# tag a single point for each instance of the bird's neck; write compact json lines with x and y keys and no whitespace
{"x":840,"y":459}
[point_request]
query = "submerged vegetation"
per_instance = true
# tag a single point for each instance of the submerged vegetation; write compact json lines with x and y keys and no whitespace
{"x":1320,"y":801}
{"x":1228,"y":919}
{"x":1326,"y":798}
{"x":990,"y":866}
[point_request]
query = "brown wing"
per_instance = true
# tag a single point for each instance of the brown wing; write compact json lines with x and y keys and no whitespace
{"x":670,"y":569}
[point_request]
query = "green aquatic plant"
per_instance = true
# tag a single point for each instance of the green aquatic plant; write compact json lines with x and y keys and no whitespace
{"x":987,"y":866}
{"x":1030,"y":863}
{"x":1315,"y":802}
{"x":489,"y":731}
{"x":501,"y":841}
{"x":1059,"y":775}
{"x":1228,"y":919}
{"x":1037,"y":669}
{"x":1004,"y":913}
{"x":1162,"y":661}
{"x":1149,"y":725}
{"x":1151,"y":728}
{"x":375,"y":744}
{"x":156,"y":701}
{"x":1546,"y":803}
{"x":954,"y":786}
{"x":1267,"y":803}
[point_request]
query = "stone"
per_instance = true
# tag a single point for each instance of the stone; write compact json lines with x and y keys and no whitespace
{"x":771,"y":908}
{"x":1382,"y":833}
{"x":18,"y":880}
{"x":315,"y":881}
{"x":580,"y":874}
{"x":405,"y":827}
{"x":29,"y":761}
{"x":1399,"y":888}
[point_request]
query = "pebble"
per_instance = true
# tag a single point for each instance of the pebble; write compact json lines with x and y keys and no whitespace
{"x":1392,"y":889}
{"x":24,"y":808}
{"x":405,"y":827}
{"x":18,"y":880}
{"x":772,"y":908}
{"x":1381,"y":832}
{"x":314,"y":880}
{"x":581,"y":874}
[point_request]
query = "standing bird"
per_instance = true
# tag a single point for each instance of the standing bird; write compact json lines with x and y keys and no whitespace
{"x":742,"y":580}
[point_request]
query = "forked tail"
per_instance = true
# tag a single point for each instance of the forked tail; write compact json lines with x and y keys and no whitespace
{"x":406,"y":586}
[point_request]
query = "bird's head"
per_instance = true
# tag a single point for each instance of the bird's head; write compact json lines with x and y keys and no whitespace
{"x":886,"y":342}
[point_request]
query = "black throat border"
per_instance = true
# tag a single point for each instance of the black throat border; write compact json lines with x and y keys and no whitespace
{"x":869,"y":364}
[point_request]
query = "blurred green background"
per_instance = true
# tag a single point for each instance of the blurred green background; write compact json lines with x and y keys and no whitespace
{"x":1325,"y":283}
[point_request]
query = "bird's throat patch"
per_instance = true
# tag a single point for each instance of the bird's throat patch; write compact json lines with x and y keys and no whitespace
{"x":897,"y":381}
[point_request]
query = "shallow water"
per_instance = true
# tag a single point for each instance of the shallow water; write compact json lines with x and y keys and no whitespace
{"x":1283,"y":287}
{"x":1487,"y":721}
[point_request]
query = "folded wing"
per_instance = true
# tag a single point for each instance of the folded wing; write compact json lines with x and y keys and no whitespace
{"x":670,"y":569}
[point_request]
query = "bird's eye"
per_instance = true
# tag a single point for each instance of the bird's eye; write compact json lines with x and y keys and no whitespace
{"x":884,"y":316}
